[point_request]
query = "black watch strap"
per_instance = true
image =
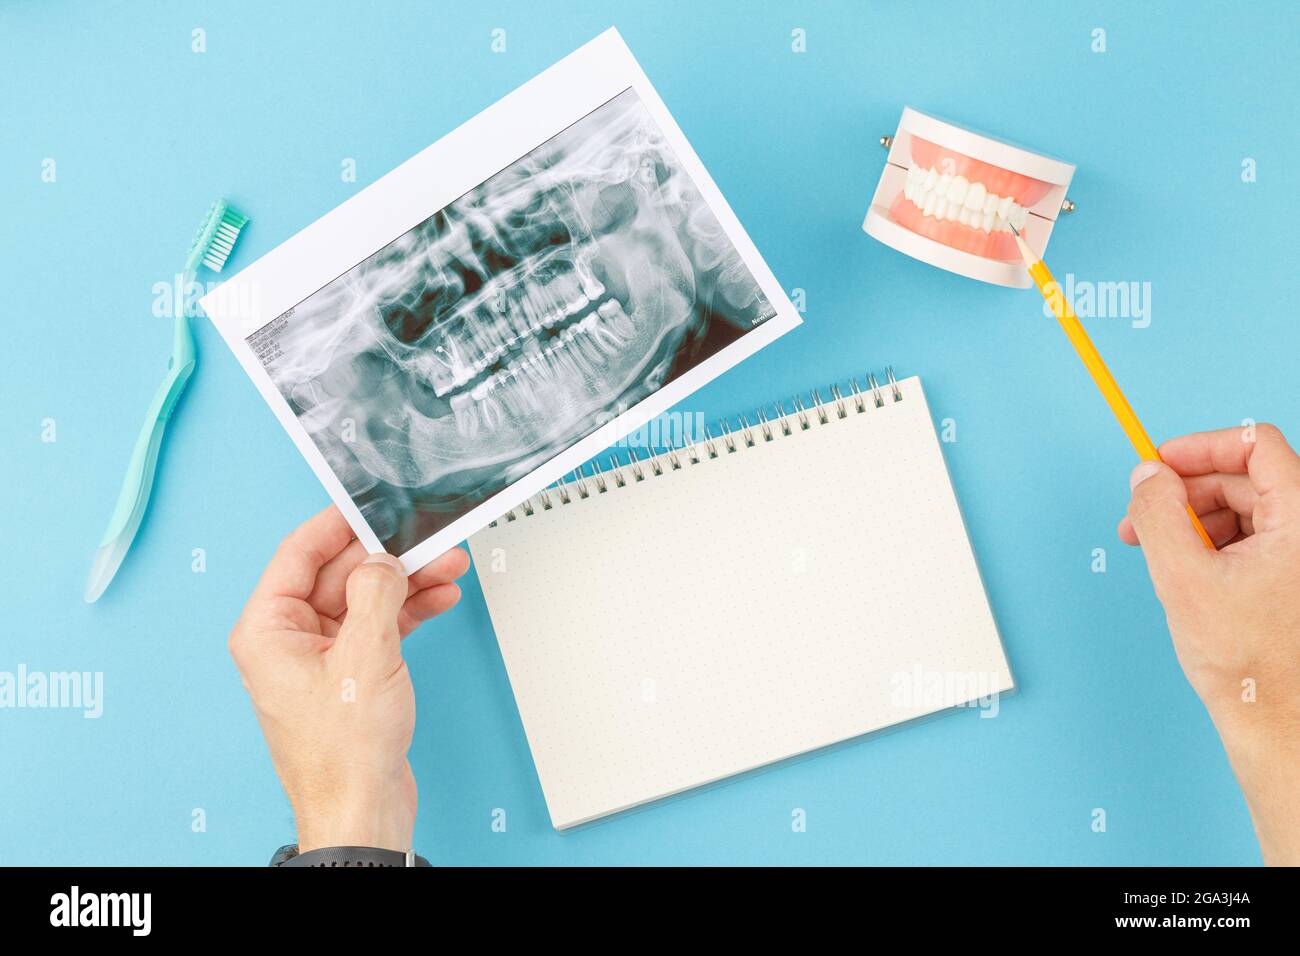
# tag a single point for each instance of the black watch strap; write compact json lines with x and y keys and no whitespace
{"x":346,"y":856}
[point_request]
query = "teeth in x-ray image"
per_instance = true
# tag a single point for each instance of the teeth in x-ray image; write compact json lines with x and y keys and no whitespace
{"x":513,"y":322}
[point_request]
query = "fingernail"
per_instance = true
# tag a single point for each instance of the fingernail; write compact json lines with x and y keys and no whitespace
{"x":385,"y":558}
{"x":1142,"y":472}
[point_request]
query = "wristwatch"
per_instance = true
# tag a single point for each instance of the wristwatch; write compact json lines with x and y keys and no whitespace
{"x":346,"y":856}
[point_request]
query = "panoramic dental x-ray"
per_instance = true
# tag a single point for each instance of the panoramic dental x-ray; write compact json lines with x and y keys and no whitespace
{"x":511,"y":323}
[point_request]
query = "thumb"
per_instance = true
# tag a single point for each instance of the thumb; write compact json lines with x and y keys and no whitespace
{"x":1158,"y":512}
{"x":376,"y":590}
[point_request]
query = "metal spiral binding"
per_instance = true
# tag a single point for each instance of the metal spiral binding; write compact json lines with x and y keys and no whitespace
{"x":744,"y":435}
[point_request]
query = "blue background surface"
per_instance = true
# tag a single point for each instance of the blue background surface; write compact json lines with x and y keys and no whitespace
{"x":145,"y":133}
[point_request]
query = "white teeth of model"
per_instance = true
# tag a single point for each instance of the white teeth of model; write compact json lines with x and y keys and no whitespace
{"x":949,"y":198}
{"x":958,"y":189}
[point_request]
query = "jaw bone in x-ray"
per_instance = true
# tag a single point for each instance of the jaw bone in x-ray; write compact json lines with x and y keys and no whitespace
{"x":513,"y":322}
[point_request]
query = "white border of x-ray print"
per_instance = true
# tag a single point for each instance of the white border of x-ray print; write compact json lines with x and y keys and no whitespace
{"x":405,"y":197}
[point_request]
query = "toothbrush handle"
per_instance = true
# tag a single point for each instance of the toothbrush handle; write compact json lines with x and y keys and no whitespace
{"x":133,"y":499}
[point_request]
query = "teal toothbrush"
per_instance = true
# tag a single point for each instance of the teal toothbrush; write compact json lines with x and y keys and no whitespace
{"x":211,"y":247}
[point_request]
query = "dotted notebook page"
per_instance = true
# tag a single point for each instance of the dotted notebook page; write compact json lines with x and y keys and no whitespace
{"x":739,"y":611}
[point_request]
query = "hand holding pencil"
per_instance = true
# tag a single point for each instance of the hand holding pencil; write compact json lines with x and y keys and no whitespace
{"x":1092,"y":360}
{"x":1234,"y":615}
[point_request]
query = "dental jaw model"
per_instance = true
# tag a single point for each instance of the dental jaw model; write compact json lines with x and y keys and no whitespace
{"x":948,"y":196}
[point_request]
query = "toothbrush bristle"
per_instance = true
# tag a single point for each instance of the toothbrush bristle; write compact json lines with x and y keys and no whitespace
{"x":217,"y":236}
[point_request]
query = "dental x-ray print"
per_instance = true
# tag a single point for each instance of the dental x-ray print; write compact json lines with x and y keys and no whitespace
{"x":517,"y":319}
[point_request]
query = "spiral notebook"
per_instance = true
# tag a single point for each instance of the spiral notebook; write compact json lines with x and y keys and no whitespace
{"x":795,"y":579}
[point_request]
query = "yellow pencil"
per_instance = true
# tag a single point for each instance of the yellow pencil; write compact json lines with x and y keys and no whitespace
{"x":1073,"y":330}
